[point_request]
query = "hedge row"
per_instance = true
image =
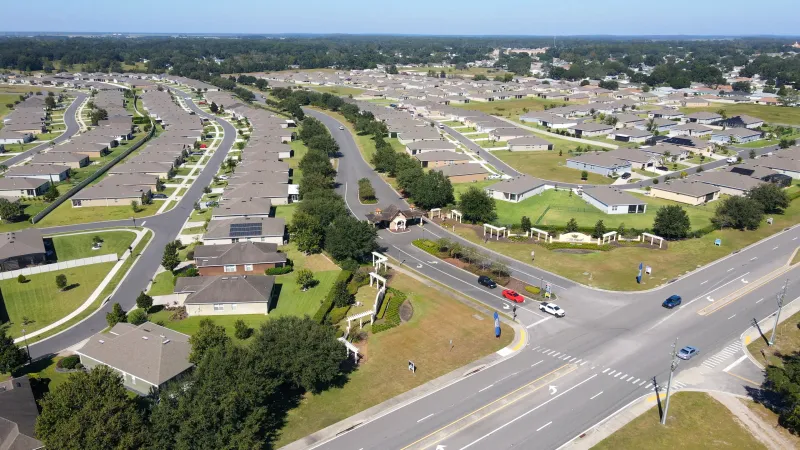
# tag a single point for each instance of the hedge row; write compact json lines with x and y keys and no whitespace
{"x":392,"y":311}
{"x":327,"y":304}
{"x":337,"y":314}
{"x":427,"y":246}
{"x":279,"y":270}
{"x":558,"y":245}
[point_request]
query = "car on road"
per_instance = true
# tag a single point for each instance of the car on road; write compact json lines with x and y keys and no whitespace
{"x":672,"y":301}
{"x":159,"y":195}
{"x":687,"y":352}
{"x":552,"y":308}
{"x":341,"y":127}
{"x":441,"y":126}
{"x":486,"y":281}
{"x":731,"y":160}
{"x":625,"y":175}
{"x":513,"y":295}
{"x":494,"y":176}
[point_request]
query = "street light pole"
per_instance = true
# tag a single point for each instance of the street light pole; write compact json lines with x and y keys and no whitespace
{"x":778,"y":316}
{"x":672,"y":366}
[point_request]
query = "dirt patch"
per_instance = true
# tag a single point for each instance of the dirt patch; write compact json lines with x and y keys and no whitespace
{"x":406,"y":311}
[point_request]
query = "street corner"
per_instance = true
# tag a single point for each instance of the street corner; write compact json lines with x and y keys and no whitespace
{"x":519,"y":342}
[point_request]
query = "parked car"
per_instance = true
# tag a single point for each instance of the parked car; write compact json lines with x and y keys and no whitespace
{"x":664,"y":168}
{"x":672,"y":301}
{"x":688,"y":352}
{"x":513,"y":296}
{"x":731,"y":160}
{"x":552,"y":308}
{"x":160,"y":196}
{"x":626,"y":175}
{"x":441,"y":126}
{"x":341,"y":127}
{"x":486,"y":281}
{"x":494,"y":176}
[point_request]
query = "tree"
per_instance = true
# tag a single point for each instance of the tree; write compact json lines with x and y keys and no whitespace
{"x":214,"y":108}
{"x":480,"y":77}
{"x":61,"y":281}
{"x":599,"y":229}
{"x":350,"y":238}
{"x":314,"y":182}
{"x":116,"y":315}
{"x":301,"y":351}
{"x":392,"y":70}
{"x":384,"y":158}
{"x":739,"y":212}
{"x":770,"y":196}
{"x":170,"y":259}
{"x":433,"y":190}
{"x":742,"y":86}
{"x":208,"y":336}
{"x":135,"y":206}
{"x":341,"y":294}
{"x":789,"y":96}
{"x":584,"y":175}
{"x":144,"y":301}
{"x":21,"y":279}
{"x":305,"y":279}
{"x":477,"y":206}
{"x":407,"y":178}
{"x":52,"y":193}
{"x":137,"y":317}
{"x":10,"y":211}
{"x":50,"y":102}
{"x":241,"y":330}
{"x":525,"y":224}
{"x":611,"y":85}
{"x":752,"y":154}
{"x":307,"y":232}
{"x":572,"y":226}
{"x":784,"y":383}
{"x":11,"y":356}
{"x":671,"y":222}
{"x":92,"y":411}
{"x":585,"y":82}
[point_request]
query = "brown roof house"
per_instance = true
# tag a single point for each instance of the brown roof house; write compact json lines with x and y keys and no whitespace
{"x":241,"y":258}
{"x":224,"y":295}
{"x":18,"y":413}
{"x":19,"y":249}
{"x":146,"y":356}
{"x":394,"y":218}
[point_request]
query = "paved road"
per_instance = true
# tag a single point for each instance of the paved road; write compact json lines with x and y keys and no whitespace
{"x":606,"y":352}
{"x":72,"y":128}
{"x":165,"y":226}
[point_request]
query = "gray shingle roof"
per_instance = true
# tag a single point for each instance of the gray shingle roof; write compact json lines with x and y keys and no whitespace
{"x":226,"y":289}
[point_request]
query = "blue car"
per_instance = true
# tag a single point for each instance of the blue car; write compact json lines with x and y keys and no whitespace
{"x":672,"y":302}
{"x":688,"y":352}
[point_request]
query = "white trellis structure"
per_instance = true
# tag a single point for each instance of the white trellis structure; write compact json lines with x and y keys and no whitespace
{"x":360,"y":318}
{"x":350,"y":348}
{"x":456,"y":214}
{"x":436,"y":212}
{"x":378,"y":259}
{"x":495,"y":230}
{"x":653,"y":238}
{"x":374,"y":277}
{"x":609,"y":237}
{"x":540,"y":234}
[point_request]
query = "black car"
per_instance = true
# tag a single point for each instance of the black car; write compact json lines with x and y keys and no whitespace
{"x":626,"y":175}
{"x":486,"y":281}
{"x":664,"y":168}
{"x":159,"y":195}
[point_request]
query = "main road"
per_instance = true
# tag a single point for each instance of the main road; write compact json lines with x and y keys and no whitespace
{"x":611,"y":349}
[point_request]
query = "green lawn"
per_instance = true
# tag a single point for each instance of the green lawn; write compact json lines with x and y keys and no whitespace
{"x":548,"y":165}
{"x":163,"y":284}
{"x":492,"y":144}
{"x":770,"y":114}
{"x":342,"y":91}
{"x":29,"y":209}
{"x":437,"y":319}
{"x":80,"y":245}
{"x":41,"y":301}
{"x":294,"y":302}
{"x":511,"y":108}
{"x":286,"y":211}
{"x":695,"y":421}
{"x":201,"y":215}
{"x":190,"y":325}
{"x":300,"y":150}
{"x":459,"y":188}
{"x":194,"y":230}
{"x":65,"y":214}
{"x":787,"y":340}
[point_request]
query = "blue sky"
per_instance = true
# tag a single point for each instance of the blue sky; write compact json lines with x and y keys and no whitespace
{"x":474,"y":17}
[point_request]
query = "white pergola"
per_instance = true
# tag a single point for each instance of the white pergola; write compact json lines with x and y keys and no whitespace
{"x":611,"y":236}
{"x":378,"y":280}
{"x":539,"y":234}
{"x":495,"y":230}
{"x":653,"y":238}
{"x":350,"y":348}
{"x":436,"y":212}
{"x":378,"y":259}
{"x":456,"y":214}
{"x":360,"y":318}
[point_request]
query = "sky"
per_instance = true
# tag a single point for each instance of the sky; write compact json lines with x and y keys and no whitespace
{"x":437,"y":17}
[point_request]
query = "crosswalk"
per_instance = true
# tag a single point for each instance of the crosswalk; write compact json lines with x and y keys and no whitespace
{"x":723,"y":355}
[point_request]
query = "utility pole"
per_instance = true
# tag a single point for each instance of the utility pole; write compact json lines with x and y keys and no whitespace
{"x":778,"y":316}
{"x":672,"y":366}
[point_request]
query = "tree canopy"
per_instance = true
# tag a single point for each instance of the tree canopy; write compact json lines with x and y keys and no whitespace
{"x":672,"y":222}
{"x":477,"y":206}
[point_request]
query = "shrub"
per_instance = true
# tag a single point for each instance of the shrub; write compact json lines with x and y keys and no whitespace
{"x":21,"y":278}
{"x":337,"y":314}
{"x":392,"y":319}
{"x":69,"y":362}
{"x":327,"y":303}
{"x":533,"y":290}
{"x":137,"y":317}
{"x":279,"y":270}
{"x":241,"y":330}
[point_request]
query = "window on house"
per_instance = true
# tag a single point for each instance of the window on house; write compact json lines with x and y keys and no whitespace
{"x":230,"y":268}
{"x":613,"y":208}
{"x":248,"y":267}
{"x":218,"y":307}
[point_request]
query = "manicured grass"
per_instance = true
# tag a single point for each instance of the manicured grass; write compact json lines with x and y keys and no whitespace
{"x":286,"y":211}
{"x":65,"y":214}
{"x":615,"y":269}
{"x":492,"y":144}
{"x":201,"y":215}
{"x":548,"y":165}
{"x":383,"y":373}
{"x":80,"y":245}
{"x":695,"y":421}
{"x":478,"y":136}
{"x":314,"y":263}
{"x":41,"y":301}
{"x":511,"y":108}
{"x":770,"y":114}
{"x":190,"y":325}
{"x":460,"y":188}
{"x":4,"y":100}
{"x":193,"y":230}
{"x":787,"y":341}
{"x":300,"y":150}
{"x":294,"y":302}
{"x":342,"y":91}
{"x":163,"y":284}
{"x":29,"y":208}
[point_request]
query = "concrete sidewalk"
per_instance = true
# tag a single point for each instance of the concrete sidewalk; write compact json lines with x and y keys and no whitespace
{"x":409,"y":397}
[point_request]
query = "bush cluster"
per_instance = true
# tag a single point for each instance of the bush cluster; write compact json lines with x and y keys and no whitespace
{"x":327,"y":304}
{"x":392,"y":319}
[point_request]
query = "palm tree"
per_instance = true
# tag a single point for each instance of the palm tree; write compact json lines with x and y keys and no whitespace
{"x":651,"y":124}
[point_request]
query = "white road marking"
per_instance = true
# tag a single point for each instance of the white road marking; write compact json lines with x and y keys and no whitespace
{"x":534,"y":348}
{"x":550,"y":352}
{"x":731,"y":317}
{"x":636,"y":381}
{"x":704,"y":282}
{"x":487,"y":387}
{"x":733,"y":364}
{"x":794,"y":238}
{"x":731,"y":269}
{"x":526,"y":413}
{"x":754,"y":258}
{"x":595,"y":395}
{"x":643,"y":382}
{"x":557,"y":353}
{"x":537,"y":323}
{"x":534,"y":364}
{"x":420,"y":420}
{"x":543,"y":426}
{"x":144,"y":223}
{"x":606,"y":370}
{"x":573,"y":359}
{"x":618,"y":374}
{"x":760,"y":300}
{"x":629,"y":379}
{"x":775,"y":248}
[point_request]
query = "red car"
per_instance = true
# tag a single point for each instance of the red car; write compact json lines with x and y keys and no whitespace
{"x":513,"y":296}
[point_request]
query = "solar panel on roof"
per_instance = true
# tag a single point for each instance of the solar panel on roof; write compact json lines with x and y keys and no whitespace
{"x":245,"y":229}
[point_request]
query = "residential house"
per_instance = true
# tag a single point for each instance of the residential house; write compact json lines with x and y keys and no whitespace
{"x":254,"y":229}
{"x":694,"y":102}
{"x":18,"y":414}
{"x":690,"y":129}
{"x":729,"y":183}
{"x":108,"y":193}
{"x":20,"y":249}
{"x":241,"y":258}
{"x":71,"y":160}
{"x":242,"y":207}
{"x":744,"y":121}
{"x":8,"y":137}
{"x":529,"y":143}
{"x":703,"y":118}
{"x":504,"y":134}
{"x":146,"y":356}
{"x":637,"y":159}
{"x":429,"y":146}
{"x":440,"y":158}
{"x":599,"y":163}
{"x":630,"y":135}
{"x":667,"y":152}
{"x":683,"y":191}
{"x":516,"y":189}
{"x":464,"y":173}
{"x":614,"y":201}
{"x":50,"y":172}
{"x":735,"y":135}
{"x":591,"y":129}
{"x":226,"y":295}
{"x":15,"y":188}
